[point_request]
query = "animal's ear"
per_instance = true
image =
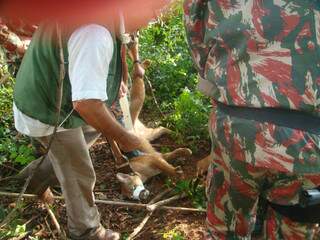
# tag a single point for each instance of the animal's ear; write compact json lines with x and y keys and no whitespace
{"x":122,"y":177}
{"x":146,"y":63}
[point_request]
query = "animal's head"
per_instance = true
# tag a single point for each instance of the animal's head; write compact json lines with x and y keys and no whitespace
{"x":132,"y":186}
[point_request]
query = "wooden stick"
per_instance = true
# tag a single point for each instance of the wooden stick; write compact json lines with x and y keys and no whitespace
{"x":48,"y":226}
{"x":53,"y":219}
{"x":114,"y":203}
{"x":138,"y":229}
{"x":154,"y":206}
{"x":9,"y":167}
{"x":160,"y":195}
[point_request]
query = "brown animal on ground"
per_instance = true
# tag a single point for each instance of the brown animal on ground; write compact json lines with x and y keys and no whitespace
{"x":147,"y":166}
{"x":151,"y":163}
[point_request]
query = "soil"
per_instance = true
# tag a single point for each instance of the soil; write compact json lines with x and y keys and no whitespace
{"x":122,"y":219}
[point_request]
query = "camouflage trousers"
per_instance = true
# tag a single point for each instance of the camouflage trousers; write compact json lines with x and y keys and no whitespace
{"x":237,"y":179}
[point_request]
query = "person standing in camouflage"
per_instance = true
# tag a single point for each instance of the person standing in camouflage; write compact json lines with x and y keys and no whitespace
{"x":259,"y":60}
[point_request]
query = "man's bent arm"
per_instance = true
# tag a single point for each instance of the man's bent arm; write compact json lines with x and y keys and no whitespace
{"x":96,"y":114}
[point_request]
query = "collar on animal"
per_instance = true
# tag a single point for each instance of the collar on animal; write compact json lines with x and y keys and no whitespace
{"x":133,"y":154}
{"x":137,"y":191}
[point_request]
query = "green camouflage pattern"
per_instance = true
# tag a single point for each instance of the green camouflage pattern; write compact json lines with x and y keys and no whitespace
{"x":234,"y":185}
{"x":257,"y":53}
{"x":265,"y":145}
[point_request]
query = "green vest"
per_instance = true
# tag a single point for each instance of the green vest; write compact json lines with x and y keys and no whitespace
{"x":37,"y":80}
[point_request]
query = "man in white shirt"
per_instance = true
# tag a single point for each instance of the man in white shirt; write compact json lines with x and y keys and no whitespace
{"x":91,"y":52}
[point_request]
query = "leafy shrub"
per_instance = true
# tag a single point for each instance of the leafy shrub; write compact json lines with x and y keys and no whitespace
{"x":16,"y":229}
{"x":190,"y":116}
{"x":164,"y":43}
{"x":174,"y":78}
{"x":13,"y":147}
{"x":194,"y":191}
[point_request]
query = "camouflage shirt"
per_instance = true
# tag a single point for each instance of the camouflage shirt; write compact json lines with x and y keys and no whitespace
{"x":257,"y":53}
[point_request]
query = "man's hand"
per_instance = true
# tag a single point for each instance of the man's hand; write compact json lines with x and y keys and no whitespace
{"x":129,"y":142}
{"x":122,"y":90}
{"x":138,"y":71}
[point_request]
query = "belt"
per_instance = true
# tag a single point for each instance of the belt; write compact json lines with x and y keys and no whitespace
{"x":282,"y":117}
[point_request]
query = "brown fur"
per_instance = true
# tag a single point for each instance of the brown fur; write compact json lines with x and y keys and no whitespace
{"x":152,"y":163}
{"x":137,"y":94}
{"x":203,"y":164}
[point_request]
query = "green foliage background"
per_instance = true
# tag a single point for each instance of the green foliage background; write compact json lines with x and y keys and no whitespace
{"x":14,"y":148}
{"x":174,"y":78}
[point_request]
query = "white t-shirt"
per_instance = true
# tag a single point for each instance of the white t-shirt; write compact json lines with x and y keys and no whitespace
{"x":90,"y":50}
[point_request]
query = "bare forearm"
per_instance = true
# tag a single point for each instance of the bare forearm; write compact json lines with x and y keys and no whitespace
{"x":96,"y":114}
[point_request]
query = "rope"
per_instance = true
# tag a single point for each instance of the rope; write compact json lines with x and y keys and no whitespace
{"x":58,"y":112}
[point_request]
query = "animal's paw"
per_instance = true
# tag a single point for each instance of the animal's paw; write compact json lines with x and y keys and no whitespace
{"x":183,"y":152}
{"x":202,"y":165}
{"x":165,"y":130}
{"x":186,"y":152}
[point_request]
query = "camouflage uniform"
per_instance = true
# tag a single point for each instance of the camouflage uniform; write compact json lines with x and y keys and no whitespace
{"x":261,"y":55}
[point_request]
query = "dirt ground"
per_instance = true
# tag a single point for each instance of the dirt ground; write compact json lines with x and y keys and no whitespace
{"x":122,"y":219}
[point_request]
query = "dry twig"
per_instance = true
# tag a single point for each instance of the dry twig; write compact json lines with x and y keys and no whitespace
{"x":9,"y":167}
{"x":53,"y":219}
{"x":48,"y":226}
{"x":114,"y":203}
{"x":154,"y":205}
{"x":154,"y":97}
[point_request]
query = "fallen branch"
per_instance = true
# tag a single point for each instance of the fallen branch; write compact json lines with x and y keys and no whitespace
{"x":160,"y":195}
{"x":9,"y":167}
{"x":7,"y":178}
{"x":154,"y":206}
{"x":53,"y":219}
{"x":114,"y":203}
{"x":48,"y":226}
{"x":138,"y":229}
